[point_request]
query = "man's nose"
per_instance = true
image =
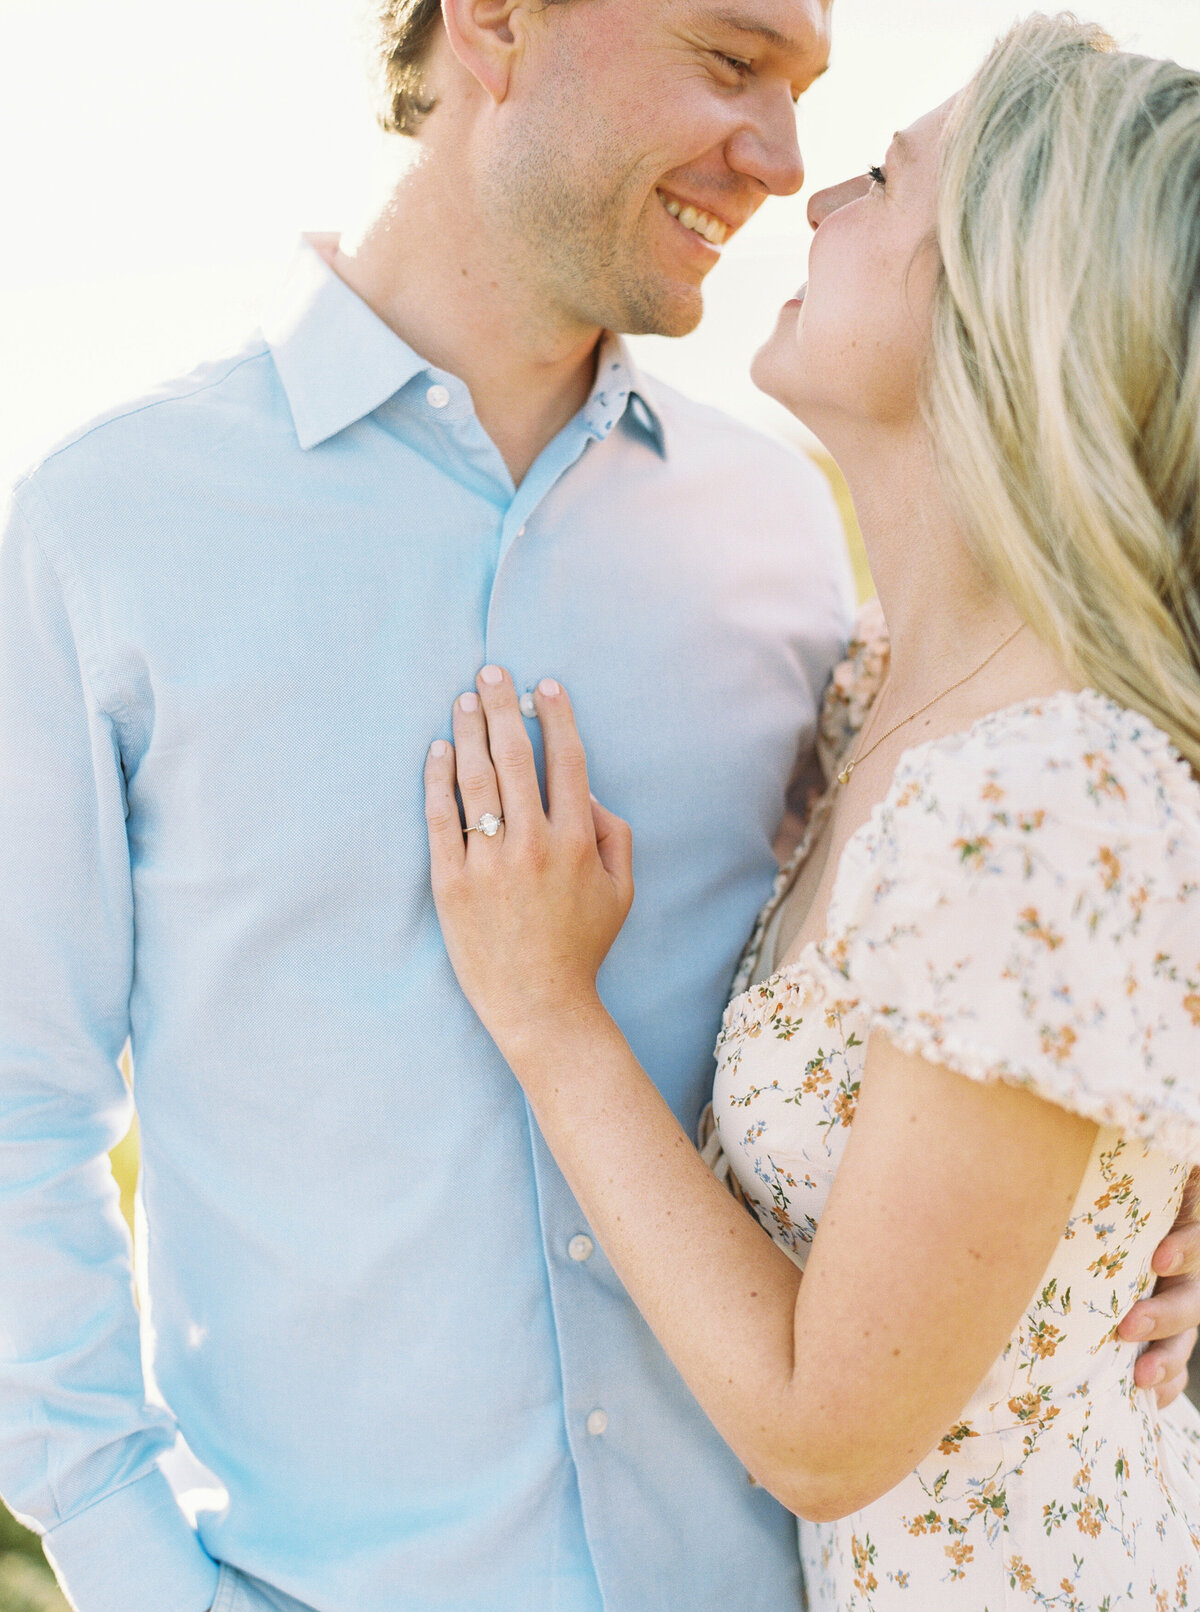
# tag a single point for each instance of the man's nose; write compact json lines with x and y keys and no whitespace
{"x":823,"y":202}
{"x":768,"y":149}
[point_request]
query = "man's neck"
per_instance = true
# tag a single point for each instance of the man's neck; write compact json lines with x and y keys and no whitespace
{"x":440,"y":281}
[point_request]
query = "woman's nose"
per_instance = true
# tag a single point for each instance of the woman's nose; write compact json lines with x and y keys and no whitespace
{"x":823,"y":202}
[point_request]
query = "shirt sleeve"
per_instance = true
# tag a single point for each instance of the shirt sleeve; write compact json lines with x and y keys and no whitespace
{"x":79,"y":1439}
{"x":1025,"y":906}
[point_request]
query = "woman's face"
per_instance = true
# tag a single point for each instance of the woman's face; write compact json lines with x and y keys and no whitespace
{"x":849,"y":347}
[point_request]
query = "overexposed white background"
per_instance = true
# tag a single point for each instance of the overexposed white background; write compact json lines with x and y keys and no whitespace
{"x":159,"y":161}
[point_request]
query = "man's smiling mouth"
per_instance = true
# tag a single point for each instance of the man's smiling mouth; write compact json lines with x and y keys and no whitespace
{"x":703,"y":224}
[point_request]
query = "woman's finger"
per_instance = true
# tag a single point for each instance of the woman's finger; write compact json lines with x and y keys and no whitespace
{"x":1179,"y":1252}
{"x":1165,"y":1359}
{"x":476,"y":776}
{"x":441,"y":809}
{"x":1167,"y":1391}
{"x":1173,"y":1308}
{"x":511,"y":751}
{"x":614,"y":841}
{"x":567,"y":792}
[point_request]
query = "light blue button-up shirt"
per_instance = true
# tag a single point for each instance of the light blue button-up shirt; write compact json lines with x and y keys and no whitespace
{"x":233,"y":615}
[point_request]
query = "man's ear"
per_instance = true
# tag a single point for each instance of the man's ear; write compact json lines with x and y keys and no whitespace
{"x":483,"y":37}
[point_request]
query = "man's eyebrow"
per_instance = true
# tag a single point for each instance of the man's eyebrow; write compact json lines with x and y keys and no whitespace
{"x":762,"y":30}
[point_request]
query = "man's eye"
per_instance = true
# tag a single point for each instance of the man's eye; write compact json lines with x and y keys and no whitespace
{"x":733,"y":63}
{"x":878,"y":175}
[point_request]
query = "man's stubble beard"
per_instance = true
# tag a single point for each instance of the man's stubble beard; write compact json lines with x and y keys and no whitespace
{"x":583,"y":240}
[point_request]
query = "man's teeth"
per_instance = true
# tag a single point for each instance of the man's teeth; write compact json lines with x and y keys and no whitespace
{"x":712,"y":229}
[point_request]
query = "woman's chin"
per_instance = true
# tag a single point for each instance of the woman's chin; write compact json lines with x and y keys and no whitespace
{"x":777,"y":375}
{"x":777,"y":366}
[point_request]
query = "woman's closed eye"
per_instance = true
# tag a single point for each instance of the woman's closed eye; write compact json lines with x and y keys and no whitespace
{"x":878,"y":175}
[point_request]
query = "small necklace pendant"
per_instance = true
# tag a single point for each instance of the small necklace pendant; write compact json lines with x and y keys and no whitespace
{"x":843,"y":777}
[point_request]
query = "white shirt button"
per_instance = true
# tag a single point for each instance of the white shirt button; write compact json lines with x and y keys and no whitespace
{"x":597,"y":1423}
{"x":529,"y":709}
{"x":437,"y":397}
{"x":520,"y":531}
{"x":581,"y":1248}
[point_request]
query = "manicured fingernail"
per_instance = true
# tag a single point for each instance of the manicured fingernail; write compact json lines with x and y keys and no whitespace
{"x":1157,"y":1376}
{"x":1140,"y":1327}
{"x":468,"y":703}
{"x":549,"y":688}
{"x":492,"y":674}
{"x":1170,"y":1265}
{"x":439,"y":748}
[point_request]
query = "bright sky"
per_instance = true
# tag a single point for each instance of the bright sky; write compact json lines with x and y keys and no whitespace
{"x":160,"y":161}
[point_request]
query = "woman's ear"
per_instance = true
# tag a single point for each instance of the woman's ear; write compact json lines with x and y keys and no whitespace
{"x":483,"y":38}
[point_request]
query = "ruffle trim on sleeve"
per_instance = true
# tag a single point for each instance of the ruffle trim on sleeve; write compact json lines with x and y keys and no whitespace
{"x":1175,"y":1132}
{"x":1025,"y":906}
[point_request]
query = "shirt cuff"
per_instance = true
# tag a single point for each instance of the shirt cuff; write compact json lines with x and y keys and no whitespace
{"x":133,"y":1551}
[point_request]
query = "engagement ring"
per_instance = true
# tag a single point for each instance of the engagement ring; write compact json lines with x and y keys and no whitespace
{"x":488,"y":825}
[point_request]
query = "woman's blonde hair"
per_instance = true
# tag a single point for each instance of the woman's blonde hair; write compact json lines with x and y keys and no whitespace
{"x":1063,"y":388}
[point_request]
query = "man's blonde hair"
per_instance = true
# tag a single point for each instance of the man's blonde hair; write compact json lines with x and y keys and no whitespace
{"x":1063,"y":387}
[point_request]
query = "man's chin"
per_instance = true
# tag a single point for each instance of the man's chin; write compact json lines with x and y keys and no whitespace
{"x":676,"y":313}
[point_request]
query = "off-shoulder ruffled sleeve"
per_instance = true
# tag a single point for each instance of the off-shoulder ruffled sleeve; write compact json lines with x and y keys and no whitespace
{"x":1025,"y":906}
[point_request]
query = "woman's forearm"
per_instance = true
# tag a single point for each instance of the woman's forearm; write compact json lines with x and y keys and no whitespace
{"x":717,"y":1292}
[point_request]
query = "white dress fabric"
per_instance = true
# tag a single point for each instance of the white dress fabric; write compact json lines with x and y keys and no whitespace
{"x":1024,"y":905}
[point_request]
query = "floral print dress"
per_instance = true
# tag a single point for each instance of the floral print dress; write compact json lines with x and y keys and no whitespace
{"x":1025,"y":906}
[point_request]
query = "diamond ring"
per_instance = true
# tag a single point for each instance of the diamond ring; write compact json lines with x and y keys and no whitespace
{"x":488,"y":825}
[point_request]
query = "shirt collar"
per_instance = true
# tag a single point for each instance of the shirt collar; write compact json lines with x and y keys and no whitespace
{"x":620,"y":392}
{"x":338,"y":362}
{"x":336,"y":359}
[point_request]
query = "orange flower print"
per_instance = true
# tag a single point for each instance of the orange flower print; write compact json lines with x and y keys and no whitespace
{"x":991,"y":791}
{"x":1032,"y":1407}
{"x":1058,"y":1043}
{"x":862,"y":1552}
{"x":1087,"y":1518}
{"x":1191,"y":1006}
{"x":1044,"y":1338}
{"x":1103,"y":781}
{"x":991,"y":1499}
{"x":1029,"y":822}
{"x":953,"y":1440}
{"x":845,"y":1104}
{"x":1032,"y":925}
{"x":1108,"y":1264}
{"x":1116,"y":1192}
{"x":1110,"y":867}
{"x":1020,"y":1575}
{"x":817,"y":1079}
{"x":973,"y":852}
{"x":959,"y":1553}
{"x":928,"y":1522}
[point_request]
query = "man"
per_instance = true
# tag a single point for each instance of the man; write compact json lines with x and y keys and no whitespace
{"x":232,"y":617}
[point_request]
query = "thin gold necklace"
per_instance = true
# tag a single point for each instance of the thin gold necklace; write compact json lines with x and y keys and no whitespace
{"x":843,"y":777}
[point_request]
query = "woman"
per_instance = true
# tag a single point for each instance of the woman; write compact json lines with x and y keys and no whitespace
{"x":960,"y":1088}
